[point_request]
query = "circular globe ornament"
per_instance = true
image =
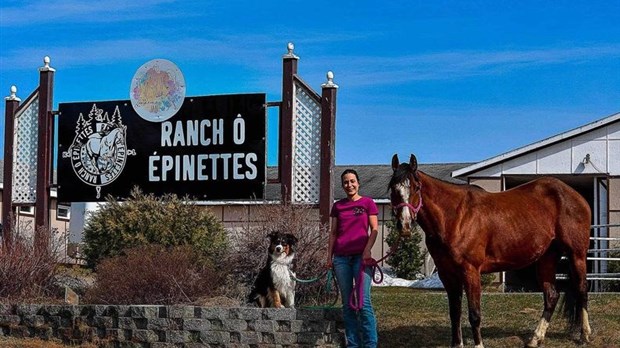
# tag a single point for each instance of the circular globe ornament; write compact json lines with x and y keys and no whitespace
{"x":157,"y":90}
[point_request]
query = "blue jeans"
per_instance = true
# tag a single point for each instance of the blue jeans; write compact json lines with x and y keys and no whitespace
{"x":360,"y":326}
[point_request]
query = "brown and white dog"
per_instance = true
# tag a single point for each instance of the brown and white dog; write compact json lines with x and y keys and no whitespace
{"x":274,"y":286}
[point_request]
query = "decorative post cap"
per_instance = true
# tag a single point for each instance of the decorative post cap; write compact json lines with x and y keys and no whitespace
{"x":12,"y":97}
{"x":46,"y":66}
{"x":290,"y":47}
{"x":330,"y":81}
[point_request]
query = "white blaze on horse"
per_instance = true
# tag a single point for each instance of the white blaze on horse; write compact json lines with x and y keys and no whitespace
{"x":470,"y":231}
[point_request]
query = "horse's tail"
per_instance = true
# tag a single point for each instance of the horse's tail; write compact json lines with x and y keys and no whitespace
{"x":569,"y":303}
{"x":568,"y":307}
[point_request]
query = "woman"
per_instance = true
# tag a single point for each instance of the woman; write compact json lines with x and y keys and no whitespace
{"x":349,"y":246}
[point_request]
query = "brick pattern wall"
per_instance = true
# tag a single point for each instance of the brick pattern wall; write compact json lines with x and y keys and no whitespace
{"x":175,"y":326}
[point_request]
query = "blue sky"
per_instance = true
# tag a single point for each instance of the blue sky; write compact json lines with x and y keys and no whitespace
{"x":451,"y":81}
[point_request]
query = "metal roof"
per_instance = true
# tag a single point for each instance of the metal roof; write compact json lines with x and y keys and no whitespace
{"x":464,"y":172}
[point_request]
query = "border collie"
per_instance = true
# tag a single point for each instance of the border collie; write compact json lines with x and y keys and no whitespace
{"x":274,"y":286}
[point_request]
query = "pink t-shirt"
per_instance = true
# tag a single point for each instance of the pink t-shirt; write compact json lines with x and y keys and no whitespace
{"x":353,"y":222}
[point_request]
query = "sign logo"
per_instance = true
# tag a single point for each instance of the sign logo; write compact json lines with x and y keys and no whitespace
{"x":157,"y":90}
{"x":99,"y":150}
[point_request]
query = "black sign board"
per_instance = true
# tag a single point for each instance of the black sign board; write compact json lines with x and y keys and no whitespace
{"x":213,"y":148}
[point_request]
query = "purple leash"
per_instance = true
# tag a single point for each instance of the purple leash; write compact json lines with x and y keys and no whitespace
{"x":355,"y":300}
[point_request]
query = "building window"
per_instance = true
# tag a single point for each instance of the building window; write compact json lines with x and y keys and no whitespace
{"x":63,"y":212}
{"x":26,"y":210}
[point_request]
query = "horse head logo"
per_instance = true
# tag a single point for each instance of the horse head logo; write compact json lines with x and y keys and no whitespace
{"x":102,"y":148}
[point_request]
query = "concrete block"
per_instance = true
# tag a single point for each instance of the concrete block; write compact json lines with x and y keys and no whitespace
{"x":162,"y":324}
{"x":215,"y":337}
{"x":118,"y":311}
{"x":144,"y":336}
{"x":33,"y":320}
{"x":178,"y":336}
{"x":284,"y":326}
{"x":103,"y":322}
{"x":126,"y":323}
{"x":145,"y":311}
{"x":68,"y":311}
{"x":262,"y":325}
{"x":245,"y":313}
{"x":26,"y":309}
{"x":285,"y":338}
{"x":9,"y":320}
{"x":315,"y":338}
{"x":234,"y":325}
{"x":296,"y":326}
{"x":178,"y":312}
{"x":211,"y":313}
{"x":196,"y":324}
{"x":250,"y":337}
{"x":279,"y":313}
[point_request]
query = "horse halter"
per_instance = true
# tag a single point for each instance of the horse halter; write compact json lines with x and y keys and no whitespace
{"x":413,"y":210}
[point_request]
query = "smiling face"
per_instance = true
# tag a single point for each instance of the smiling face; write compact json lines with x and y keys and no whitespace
{"x":350,"y":184}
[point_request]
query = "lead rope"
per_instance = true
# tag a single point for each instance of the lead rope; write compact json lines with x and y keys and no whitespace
{"x":357,"y":294}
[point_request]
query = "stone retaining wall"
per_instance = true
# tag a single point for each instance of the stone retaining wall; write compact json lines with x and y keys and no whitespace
{"x":175,"y":326}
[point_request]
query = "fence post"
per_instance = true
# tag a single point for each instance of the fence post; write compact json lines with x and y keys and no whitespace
{"x":328,"y":147}
{"x":44,"y":152}
{"x":285,"y":165}
{"x":8,"y":213}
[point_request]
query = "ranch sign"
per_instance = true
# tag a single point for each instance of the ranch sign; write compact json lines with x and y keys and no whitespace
{"x":212,"y":148}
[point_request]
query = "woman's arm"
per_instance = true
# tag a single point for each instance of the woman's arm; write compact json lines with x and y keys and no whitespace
{"x":374,"y":225}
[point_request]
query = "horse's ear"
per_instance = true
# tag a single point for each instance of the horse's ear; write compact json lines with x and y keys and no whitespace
{"x":413,"y":163}
{"x":395,"y":162}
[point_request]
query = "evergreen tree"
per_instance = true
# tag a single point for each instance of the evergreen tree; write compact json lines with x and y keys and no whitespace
{"x":408,"y":258}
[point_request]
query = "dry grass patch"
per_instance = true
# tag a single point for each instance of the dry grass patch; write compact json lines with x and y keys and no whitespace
{"x":9,"y":342}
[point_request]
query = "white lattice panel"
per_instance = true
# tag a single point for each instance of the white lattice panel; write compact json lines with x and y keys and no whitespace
{"x":25,"y":153}
{"x":306,"y":147}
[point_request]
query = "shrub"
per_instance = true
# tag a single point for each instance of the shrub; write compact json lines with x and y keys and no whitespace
{"x":408,"y":258}
{"x":145,"y":219}
{"x":28,"y":268}
{"x":154,"y":274}
{"x":249,"y":251}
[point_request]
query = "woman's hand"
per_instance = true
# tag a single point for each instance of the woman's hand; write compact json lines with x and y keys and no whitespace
{"x":366,"y":255}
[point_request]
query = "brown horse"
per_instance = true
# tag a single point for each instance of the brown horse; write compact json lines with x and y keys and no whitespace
{"x":470,"y":231}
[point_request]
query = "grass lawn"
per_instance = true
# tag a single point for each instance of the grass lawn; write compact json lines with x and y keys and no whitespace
{"x":419,"y":318}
